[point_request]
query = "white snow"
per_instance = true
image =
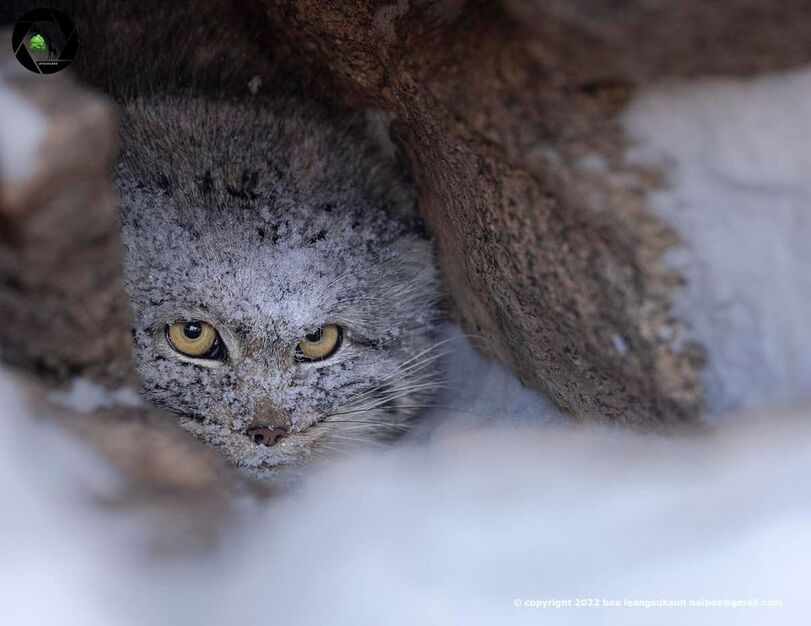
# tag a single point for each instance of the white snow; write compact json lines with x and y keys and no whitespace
{"x":455,"y":527}
{"x":255,"y":84}
{"x":52,"y":556}
{"x":480,"y":392}
{"x":738,"y":157}
{"x":85,"y":396}
{"x":620,"y":345}
{"x":22,"y":131}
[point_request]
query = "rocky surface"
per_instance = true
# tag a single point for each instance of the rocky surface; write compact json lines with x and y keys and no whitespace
{"x":63,"y":308}
{"x":507,"y":113}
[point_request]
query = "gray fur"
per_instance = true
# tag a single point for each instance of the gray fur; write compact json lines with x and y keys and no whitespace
{"x":268,"y":219}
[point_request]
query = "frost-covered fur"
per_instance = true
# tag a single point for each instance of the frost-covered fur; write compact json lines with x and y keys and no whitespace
{"x":269,"y":219}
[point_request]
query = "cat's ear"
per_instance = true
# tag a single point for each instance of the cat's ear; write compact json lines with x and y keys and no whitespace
{"x":378,"y":124}
{"x":414,"y":265}
{"x":391,"y":178}
{"x":414,"y":252}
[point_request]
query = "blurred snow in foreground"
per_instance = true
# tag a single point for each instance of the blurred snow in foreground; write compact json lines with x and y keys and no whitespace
{"x":22,"y":130}
{"x":449,"y":531}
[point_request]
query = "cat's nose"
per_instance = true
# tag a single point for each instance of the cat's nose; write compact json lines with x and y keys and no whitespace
{"x":266,"y":415}
{"x":265,"y":435}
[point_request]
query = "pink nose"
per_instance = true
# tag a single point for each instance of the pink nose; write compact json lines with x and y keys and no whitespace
{"x":266,"y":436}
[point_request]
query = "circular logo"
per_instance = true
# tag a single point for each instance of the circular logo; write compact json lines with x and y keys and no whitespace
{"x":44,"y":41}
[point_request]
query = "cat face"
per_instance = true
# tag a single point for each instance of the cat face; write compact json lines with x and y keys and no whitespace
{"x":281,"y":342}
{"x":280,"y":326}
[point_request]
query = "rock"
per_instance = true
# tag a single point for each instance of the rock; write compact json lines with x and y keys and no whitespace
{"x":508,"y":115}
{"x":62,"y":303}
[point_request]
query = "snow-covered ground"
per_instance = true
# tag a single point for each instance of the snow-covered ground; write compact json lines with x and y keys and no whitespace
{"x":739,"y":194}
{"x":458,"y":529}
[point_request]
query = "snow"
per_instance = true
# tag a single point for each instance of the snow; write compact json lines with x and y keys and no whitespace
{"x":52,"y":559}
{"x":481,"y":392}
{"x":85,"y":396}
{"x":620,"y":345}
{"x":455,"y":529}
{"x":739,"y":195}
{"x":22,"y":130}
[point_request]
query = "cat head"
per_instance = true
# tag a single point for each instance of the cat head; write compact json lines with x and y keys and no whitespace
{"x":284,"y":302}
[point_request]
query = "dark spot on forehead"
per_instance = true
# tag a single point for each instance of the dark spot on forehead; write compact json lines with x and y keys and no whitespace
{"x":246,"y":189}
{"x":206,"y":183}
{"x":164,"y":184}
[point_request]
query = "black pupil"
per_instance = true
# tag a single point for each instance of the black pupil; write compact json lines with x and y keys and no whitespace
{"x":193,"y":330}
{"x":315,"y":337}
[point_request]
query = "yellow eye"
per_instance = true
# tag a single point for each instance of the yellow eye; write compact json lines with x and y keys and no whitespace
{"x":194,"y":339}
{"x":319,"y":344}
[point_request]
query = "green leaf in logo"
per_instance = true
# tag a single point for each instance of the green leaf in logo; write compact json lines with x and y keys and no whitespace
{"x":37,"y":43}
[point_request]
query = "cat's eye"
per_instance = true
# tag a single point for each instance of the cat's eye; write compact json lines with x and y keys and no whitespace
{"x":195,"y":339}
{"x":319,"y":344}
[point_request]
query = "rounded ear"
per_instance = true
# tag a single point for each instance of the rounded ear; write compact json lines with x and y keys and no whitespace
{"x":392,"y":177}
{"x":413,"y":265}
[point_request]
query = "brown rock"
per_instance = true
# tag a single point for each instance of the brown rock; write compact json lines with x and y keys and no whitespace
{"x":554,"y":265}
{"x":507,"y":113}
{"x":61,"y":301}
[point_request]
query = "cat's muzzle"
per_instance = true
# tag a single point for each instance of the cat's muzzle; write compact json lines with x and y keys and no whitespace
{"x":266,"y":435}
